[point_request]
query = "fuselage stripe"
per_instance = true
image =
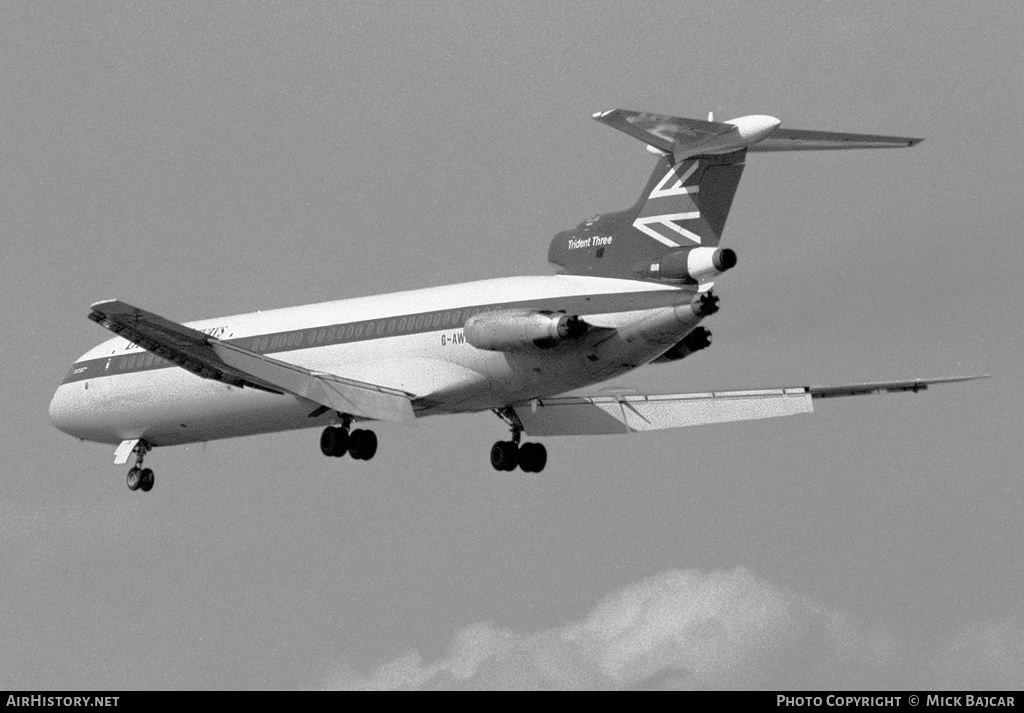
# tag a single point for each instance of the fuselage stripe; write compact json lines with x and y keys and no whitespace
{"x":130,"y":359}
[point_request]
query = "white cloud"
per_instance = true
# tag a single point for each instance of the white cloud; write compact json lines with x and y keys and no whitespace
{"x":680,"y":629}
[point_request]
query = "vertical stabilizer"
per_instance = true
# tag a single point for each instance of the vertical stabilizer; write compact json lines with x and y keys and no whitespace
{"x":683,"y":206}
{"x":673,"y":232}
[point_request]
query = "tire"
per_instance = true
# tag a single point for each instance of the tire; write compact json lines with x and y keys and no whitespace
{"x":526,"y":457}
{"x":539,"y":457}
{"x":134,"y":479}
{"x":334,"y":442}
{"x":362,"y":444}
{"x":532,"y":457}
{"x":504,"y":456}
{"x":146,"y":480}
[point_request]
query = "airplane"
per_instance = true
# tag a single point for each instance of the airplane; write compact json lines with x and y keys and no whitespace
{"x":632,"y":289}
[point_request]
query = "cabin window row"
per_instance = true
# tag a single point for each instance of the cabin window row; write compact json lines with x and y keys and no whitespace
{"x":325,"y":335}
{"x":137,"y":361}
{"x":361,"y":330}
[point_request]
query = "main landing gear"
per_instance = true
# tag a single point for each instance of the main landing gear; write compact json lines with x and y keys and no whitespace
{"x":336,"y":441}
{"x":506,"y":455}
{"x":140,"y":478}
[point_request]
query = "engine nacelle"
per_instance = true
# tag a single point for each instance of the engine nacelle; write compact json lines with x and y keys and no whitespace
{"x":699,"y":338}
{"x":689,"y":265}
{"x":521,"y":330}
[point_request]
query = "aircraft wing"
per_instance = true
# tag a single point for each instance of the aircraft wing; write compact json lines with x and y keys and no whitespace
{"x":214,"y":359}
{"x":631,"y":413}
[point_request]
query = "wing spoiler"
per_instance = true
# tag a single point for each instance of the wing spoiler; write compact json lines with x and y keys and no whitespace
{"x":215,"y":359}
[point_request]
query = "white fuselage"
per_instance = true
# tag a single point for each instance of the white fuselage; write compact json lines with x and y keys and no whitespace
{"x":411,"y":341}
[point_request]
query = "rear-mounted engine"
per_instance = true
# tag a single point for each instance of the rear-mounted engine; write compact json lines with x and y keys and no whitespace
{"x":521,"y":330}
{"x":699,"y":338}
{"x":688,"y":266}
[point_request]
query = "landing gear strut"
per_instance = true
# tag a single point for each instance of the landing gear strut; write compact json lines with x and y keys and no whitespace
{"x":140,"y":478}
{"x":336,"y":441}
{"x":506,"y":455}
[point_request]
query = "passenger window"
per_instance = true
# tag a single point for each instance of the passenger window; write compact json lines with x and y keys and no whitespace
{"x":320,"y":336}
{"x":391,"y":327}
{"x":274,"y":342}
{"x":348,"y":332}
{"x":122,"y":363}
{"x":380,"y":327}
{"x":419,"y":323}
{"x":437,"y":319}
{"x":149,"y":359}
{"x":455,"y":318}
{"x":359,"y":331}
{"x":263,"y":344}
{"x":401,"y":324}
{"x":369,"y":329}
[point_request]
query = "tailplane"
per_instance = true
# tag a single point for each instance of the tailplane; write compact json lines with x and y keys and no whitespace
{"x":672,"y":233}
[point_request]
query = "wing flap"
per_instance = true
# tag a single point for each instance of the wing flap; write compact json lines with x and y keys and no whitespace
{"x":214,"y":359}
{"x":632,"y":413}
{"x":592,"y":415}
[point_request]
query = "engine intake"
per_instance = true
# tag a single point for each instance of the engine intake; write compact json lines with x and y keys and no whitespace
{"x":521,"y":330}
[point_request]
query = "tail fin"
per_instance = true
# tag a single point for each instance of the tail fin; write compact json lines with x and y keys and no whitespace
{"x":684,"y":205}
{"x":673,"y":231}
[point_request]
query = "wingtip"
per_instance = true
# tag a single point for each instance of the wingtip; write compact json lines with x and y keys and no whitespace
{"x":955,"y":379}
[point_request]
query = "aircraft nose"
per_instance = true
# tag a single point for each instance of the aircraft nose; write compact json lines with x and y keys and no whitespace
{"x":58,"y":410}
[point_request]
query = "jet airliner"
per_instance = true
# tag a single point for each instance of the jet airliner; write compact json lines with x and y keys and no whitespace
{"x":632,"y":289}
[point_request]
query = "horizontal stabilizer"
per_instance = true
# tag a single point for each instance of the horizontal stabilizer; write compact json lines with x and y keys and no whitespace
{"x":214,"y":359}
{"x":631,"y":413}
{"x":681,"y":138}
{"x":802,"y":140}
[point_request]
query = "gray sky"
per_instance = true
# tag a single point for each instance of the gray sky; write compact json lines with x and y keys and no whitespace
{"x":202,"y":160}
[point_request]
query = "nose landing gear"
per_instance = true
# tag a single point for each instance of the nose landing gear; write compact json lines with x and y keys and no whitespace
{"x":140,"y":478}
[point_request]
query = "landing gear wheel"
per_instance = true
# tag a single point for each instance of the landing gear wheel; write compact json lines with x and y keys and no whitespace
{"x":505,"y":455}
{"x":334,"y":442}
{"x":134,"y":479}
{"x":362,"y":445}
{"x":146,"y":480}
{"x":532,"y":457}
